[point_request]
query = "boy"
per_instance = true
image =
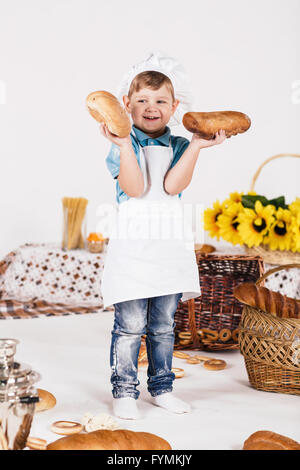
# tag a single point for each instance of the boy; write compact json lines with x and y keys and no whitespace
{"x":144,"y":282}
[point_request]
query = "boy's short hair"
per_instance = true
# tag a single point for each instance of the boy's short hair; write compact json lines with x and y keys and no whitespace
{"x":150,"y":79}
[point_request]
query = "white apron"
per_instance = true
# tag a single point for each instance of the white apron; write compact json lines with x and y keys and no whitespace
{"x":152,"y":251}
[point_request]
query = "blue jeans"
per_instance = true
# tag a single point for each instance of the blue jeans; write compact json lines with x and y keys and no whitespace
{"x":154,"y":317}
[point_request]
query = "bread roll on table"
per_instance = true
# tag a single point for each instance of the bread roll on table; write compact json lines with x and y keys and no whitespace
{"x":119,"y":439}
{"x":268,"y":440}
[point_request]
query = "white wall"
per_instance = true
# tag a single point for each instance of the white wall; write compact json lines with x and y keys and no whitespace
{"x":240,"y":55}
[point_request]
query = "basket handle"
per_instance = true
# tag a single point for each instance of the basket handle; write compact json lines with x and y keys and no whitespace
{"x":296,"y":155}
{"x":274,"y":270}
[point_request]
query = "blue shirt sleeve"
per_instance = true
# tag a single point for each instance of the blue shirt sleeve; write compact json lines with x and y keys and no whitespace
{"x":113,"y":160}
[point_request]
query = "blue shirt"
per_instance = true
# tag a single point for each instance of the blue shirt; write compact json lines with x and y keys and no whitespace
{"x":179,"y":145}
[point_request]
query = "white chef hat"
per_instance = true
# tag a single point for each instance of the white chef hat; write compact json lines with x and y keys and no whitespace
{"x":161,"y":62}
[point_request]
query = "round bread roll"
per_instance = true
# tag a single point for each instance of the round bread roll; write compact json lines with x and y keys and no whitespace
{"x":207,"y":124}
{"x":46,"y":400}
{"x":268,"y":440}
{"x":204,"y":248}
{"x":105,"y":107}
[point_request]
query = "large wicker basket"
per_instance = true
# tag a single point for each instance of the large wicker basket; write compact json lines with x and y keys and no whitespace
{"x":216,"y":308}
{"x":275,"y":257}
{"x":271,"y":347}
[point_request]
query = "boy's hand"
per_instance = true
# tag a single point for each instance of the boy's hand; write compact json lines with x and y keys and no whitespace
{"x":220,"y":136}
{"x":120,"y":141}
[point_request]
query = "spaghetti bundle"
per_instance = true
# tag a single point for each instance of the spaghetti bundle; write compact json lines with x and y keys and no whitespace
{"x":74,"y":213}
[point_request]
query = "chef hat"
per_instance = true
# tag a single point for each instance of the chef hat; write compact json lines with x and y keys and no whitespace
{"x":161,"y":62}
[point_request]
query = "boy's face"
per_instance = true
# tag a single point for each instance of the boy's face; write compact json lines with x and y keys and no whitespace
{"x":146,"y":104}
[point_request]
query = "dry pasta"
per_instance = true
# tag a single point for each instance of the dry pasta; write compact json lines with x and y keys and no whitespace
{"x":73,"y":212}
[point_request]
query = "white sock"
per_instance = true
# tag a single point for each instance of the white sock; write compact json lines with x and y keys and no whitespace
{"x":171,"y":403}
{"x":126,"y":408}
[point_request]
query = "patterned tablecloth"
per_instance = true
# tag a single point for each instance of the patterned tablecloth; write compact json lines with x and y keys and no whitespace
{"x":42,"y":279}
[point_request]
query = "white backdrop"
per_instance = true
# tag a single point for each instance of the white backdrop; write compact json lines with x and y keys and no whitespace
{"x":240,"y":55}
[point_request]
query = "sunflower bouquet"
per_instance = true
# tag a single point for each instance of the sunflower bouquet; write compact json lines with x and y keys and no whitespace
{"x":253,"y":220}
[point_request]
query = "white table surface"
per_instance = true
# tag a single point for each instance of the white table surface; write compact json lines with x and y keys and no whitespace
{"x":72,"y":355}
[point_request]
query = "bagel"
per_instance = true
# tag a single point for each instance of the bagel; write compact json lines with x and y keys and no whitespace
{"x":181,"y":355}
{"x":184,"y":335}
{"x":178,"y":372}
{"x":224,"y":335}
{"x":235,"y":335}
{"x":35,"y":443}
{"x":210,"y":334}
{"x":66,"y":428}
{"x":46,"y":400}
{"x":214,"y":364}
{"x":193,"y":360}
{"x":105,"y":107}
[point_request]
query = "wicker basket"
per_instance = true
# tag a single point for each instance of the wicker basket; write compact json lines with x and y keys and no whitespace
{"x":271,"y":347}
{"x":275,"y":257}
{"x":216,"y":308}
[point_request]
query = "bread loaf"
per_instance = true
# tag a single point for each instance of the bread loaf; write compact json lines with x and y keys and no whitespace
{"x":207,"y":124}
{"x":46,"y":400}
{"x":119,"y":439}
{"x":105,"y":107}
{"x":267,"y":300}
{"x":267,"y":440}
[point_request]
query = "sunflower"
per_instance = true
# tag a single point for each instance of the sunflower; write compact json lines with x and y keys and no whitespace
{"x":211,"y":218}
{"x":280,"y":234}
{"x":295,"y":227}
{"x":233,"y":197}
{"x":295,"y":206}
{"x":229,"y":225}
{"x":254,"y":224}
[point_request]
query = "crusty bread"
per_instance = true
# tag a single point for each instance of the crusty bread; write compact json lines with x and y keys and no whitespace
{"x":105,"y":107}
{"x":207,"y":124}
{"x":119,"y":439}
{"x":267,"y":300}
{"x":267,"y":440}
{"x":46,"y":400}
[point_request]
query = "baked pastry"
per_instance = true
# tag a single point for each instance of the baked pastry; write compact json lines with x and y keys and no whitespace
{"x":179,"y":373}
{"x":266,"y":300}
{"x":119,"y":439}
{"x":224,"y":335}
{"x":35,"y":443}
{"x":66,"y":427}
{"x":46,"y":400}
{"x":204,"y":248}
{"x":214,"y":364}
{"x":207,"y":124}
{"x":268,"y":440}
{"x":105,"y":107}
